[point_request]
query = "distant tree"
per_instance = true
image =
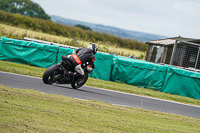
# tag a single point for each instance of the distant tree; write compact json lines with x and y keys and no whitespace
{"x":24,"y":7}
{"x":83,"y":27}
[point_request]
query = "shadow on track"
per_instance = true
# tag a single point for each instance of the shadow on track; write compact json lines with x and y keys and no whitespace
{"x":82,"y":90}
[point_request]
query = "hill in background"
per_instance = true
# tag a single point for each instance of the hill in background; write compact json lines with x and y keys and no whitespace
{"x":135,"y":35}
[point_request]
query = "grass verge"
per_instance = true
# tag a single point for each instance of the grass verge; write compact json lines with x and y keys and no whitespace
{"x":33,"y":111}
{"x":38,"y":72}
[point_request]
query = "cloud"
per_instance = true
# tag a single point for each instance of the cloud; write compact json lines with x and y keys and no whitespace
{"x":164,"y":17}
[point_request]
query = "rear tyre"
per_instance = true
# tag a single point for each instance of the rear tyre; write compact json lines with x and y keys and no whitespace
{"x":50,"y":75}
{"x":79,"y":82}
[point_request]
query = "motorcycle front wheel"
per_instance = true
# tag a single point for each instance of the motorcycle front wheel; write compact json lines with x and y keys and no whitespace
{"x":79,"y":82}
{"x":50,"y":76}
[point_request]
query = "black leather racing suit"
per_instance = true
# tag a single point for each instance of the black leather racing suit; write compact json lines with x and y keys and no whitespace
{"x":81,"y":56}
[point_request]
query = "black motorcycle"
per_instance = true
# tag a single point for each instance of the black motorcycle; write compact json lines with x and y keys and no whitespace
{"x":61,"y":73}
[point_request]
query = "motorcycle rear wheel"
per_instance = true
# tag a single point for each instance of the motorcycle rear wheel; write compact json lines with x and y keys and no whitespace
{"x":50,"y":74}
{"x":79,"y":82}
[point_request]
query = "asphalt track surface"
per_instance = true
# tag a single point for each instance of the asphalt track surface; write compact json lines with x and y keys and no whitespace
{"x":108,"y":96}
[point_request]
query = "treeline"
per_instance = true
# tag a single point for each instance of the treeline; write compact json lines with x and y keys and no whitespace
{"x":24,"y":7}
{"x":50,"y":27}
{"x":83,"y":27}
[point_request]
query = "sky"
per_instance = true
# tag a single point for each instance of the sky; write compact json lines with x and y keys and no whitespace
{"x":170,"y":18}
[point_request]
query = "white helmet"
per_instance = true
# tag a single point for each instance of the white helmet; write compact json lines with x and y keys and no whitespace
{"x":93,"y":47}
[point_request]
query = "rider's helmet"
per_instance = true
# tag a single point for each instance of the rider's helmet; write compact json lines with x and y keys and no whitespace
{"x":93,"y":47}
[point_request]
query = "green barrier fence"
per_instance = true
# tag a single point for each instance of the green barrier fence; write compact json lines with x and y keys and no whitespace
{"x":182,"y":82}
{"x":41,"y":55}
{"x":107,"y":67}
{"x":139,"y":73}
{"x":103,"y":66}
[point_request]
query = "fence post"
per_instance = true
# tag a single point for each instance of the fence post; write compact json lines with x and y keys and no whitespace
{"x":173,"y":53}
{"x":197,"y":58}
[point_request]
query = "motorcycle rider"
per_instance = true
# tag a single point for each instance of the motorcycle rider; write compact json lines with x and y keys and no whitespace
{"x":81,"y":56}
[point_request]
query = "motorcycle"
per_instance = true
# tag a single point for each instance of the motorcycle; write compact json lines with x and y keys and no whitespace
{"x":61,"y":74}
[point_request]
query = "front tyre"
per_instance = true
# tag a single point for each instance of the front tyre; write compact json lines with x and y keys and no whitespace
{"x":77,"y":83}
{"x":50,"y":76}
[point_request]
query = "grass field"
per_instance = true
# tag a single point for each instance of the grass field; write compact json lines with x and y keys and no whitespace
{"x":19,"y":33}
{"x":32,"y":111}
